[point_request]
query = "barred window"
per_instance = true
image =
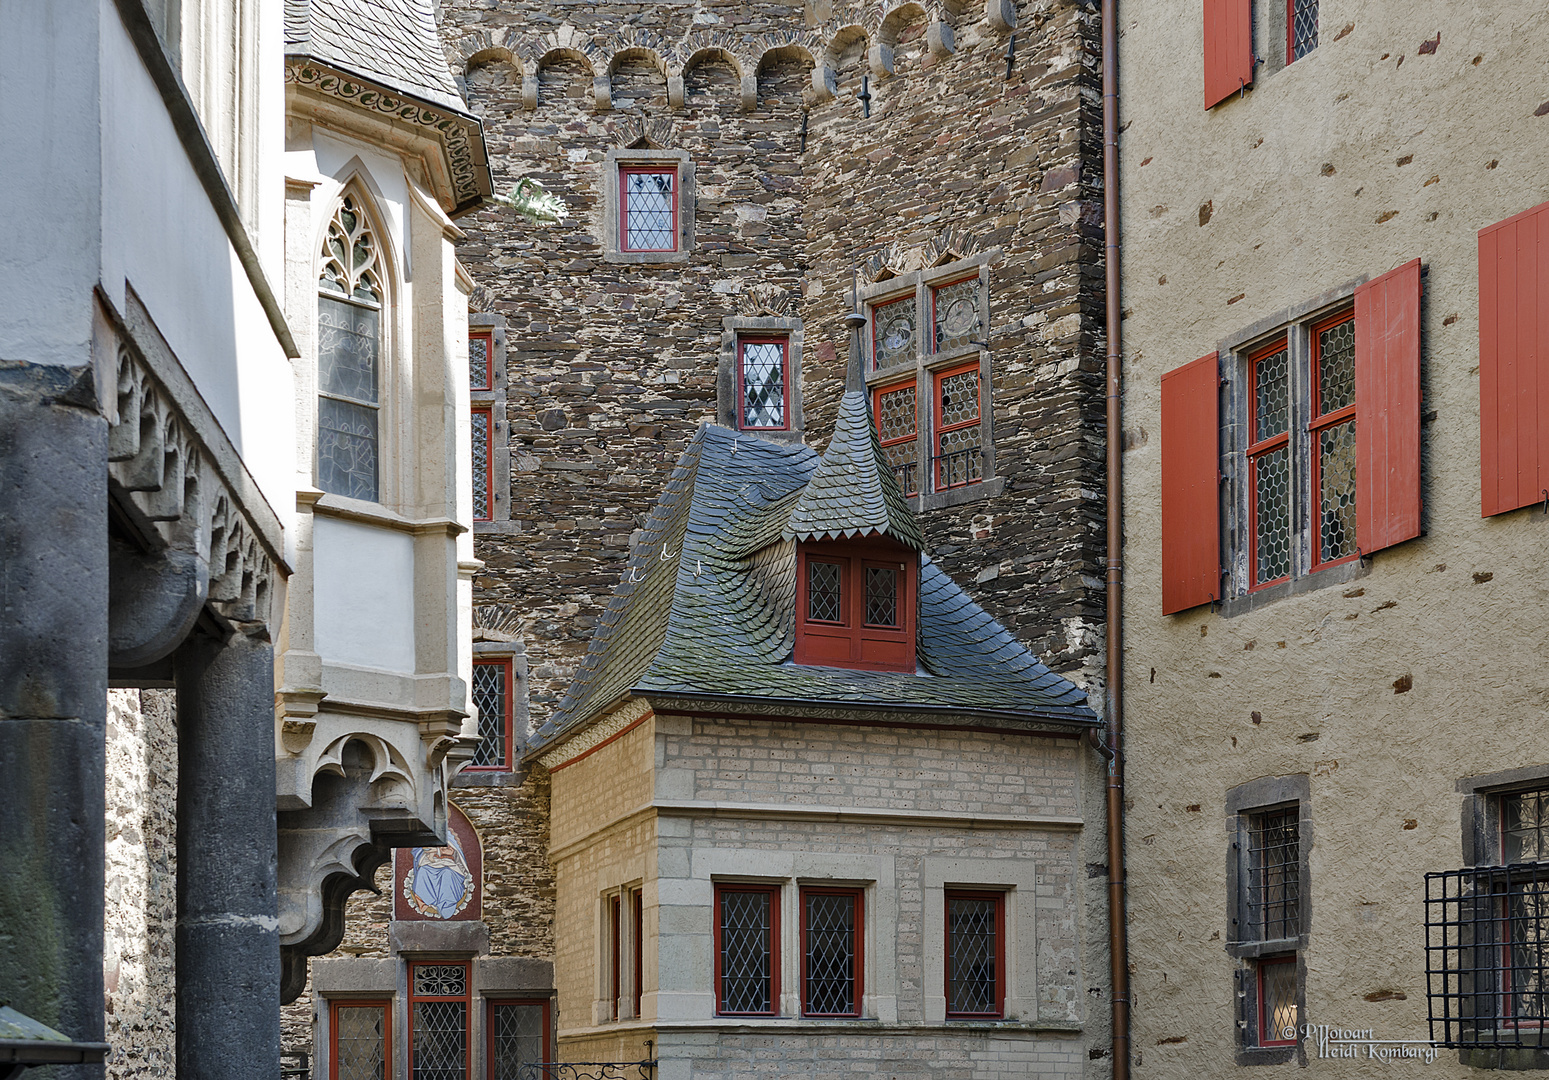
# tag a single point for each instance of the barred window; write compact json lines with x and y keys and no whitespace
{"x":1274,"y":872}
{"x":439,"y":998}
{"x":747,"y":949}
{"x":975,"y":958}
{"x":831,"y":954}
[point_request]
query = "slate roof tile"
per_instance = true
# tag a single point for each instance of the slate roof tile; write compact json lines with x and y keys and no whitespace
{"x":390,"y":42}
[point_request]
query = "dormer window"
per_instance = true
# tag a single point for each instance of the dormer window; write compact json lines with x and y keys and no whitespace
{"x":855,"y":604}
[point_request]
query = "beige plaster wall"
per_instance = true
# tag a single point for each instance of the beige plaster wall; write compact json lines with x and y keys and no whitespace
{"x":1349,"y":162}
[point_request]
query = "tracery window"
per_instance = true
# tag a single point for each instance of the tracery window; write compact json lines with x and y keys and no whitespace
{"x":349,"y":344}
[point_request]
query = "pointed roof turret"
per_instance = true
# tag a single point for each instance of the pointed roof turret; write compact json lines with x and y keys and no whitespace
{"x":854,"y":491}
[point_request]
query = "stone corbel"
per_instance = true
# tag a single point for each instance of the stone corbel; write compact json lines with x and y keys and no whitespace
{"x":824,"y":84}
{"x":880,"y":59}
{"x":1002,"y":15}
{"x":749,"y":93}
{"x":675,"y":90}
{"x":602,"y":92}
{"x":153,"y":602}
{"x":939,"y":39}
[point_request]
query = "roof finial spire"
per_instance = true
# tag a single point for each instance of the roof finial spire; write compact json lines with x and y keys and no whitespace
{"x":855,"y":321}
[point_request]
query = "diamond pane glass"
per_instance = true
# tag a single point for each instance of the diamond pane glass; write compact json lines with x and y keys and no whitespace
{"x":650,"y":211}
{"x":347,"y":340}
{"x":971,"y":947}
{"x":347,"y":449}
{"x":440,"y":1040}
{"x":480,"y":438}
{"x":959,"y":398}
{"x":360,"y":1042}
{"x":957,"y":314}
{"x":1525,"y":823}
{"x":1272,"y":504}
{"x":1274,"y":873}
{"x":1271,"y":395}
{"x":1336,"y":367}
{"x":823,"y":600}
{"x":517,"y":1038}
{"x":489,"y":694}
{"x":440,"y":980}
{"x":881,"y":596}
{"x":830,"y":945}
{"x":1277,"y":995}
{"x":1336,"y":501}
{"x":478,"y":363}
{"x":763,"y":384}
{"x":896,"y":417}
{"x":1304,"y":27}
{"x":960,"y":461}
{"x":746,"y":983}
{"x":892,"y":333}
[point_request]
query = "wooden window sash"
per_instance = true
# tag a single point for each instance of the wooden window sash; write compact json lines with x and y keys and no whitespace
{"x":773,"y":892}
{"x":877,"y":394}
{"x":488,"y":338}
{"x":1257,"y":451}
{"x":507,"y":720}
{"x":338,"y":1006}
{"x":546,"y":1047}
{"x":466,"y":998}
{"x":940,"y":429}
{"x":1319,"y":422}
{"x":626,"y":171}
{"x":999,"y":899}
{"x":785,"y":383}
{"x":857,"y":947}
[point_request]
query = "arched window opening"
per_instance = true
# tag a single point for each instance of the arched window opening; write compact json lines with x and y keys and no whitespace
{"x":349,"y":344}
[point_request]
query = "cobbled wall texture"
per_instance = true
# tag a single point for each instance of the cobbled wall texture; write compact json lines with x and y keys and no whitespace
{"x":612,"y":367}
{"x":141,"y":911}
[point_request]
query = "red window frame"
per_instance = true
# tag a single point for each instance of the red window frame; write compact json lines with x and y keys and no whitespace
{"x":1290,"y":32}
{"x":334,"y":1008}
{"x":940,"y":429}
{"x":877,"y":394}
{"x":488,"y":338}
{"x":508,"y":680}
{"x":1257,"y":450}
{"x":773,"y":892}
{"x":1315,"y":428}
{"x":637,"y":946}
{"x":935,"y":290}
{"x":857,"y":945}
{"x":785,"y":382}
{"x":876,"y":317}
{"x":1267,"y":1035}
{"x":649,"y":170}
{"x":488,"y":414}
{"x":615,"y":928}
{"x":948,"y":895}
{"x":491,"y":1004}
{"x":466,"y":999}
{"x":852,"y":642}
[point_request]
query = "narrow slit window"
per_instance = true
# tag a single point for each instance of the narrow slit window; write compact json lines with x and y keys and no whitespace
{"x":1333,"y":441}
{"x":481,"y":361}
{"x":481,"y":429}
{"x":1269,"y":464}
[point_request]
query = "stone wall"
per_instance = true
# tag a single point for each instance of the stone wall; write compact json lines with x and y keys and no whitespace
{"x":141,"y":912}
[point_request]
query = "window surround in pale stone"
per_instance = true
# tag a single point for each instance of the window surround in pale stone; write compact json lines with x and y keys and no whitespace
{"x":612,"y":243}
{"x":1017,"y":880}
{"x":494,"y":399}
{"x":727,"y":404}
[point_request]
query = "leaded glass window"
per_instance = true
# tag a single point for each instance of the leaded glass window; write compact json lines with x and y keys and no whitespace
{"x":1277,"y":1001}
{"x":480,"y":428}
{"x":491,"y":693}
{"x":1525,"y":897}
{"x":1269,"y":464}
{"x":1302,"y":20}
{"x":956,"y":309}
{"x":958,"y":459}
{"x":893,"y":330}
{"x":481,"y":356}
{"x":762,"y":378}
{"x":974,"y":953}
{"x":349,"y":342}
{"x":881,"y":596}
{"x":438,"y":1016}
{"x":830,"y":952}
{"x":361,"y":1040}
{"x":825,"y":600}
{"x":745,"y":950}
{"x":1274,"y":874}
{"x":898,"y":429}
{"x":519,"y":1035}
{"x":650,"y":209}
{"x":1333,"y":433}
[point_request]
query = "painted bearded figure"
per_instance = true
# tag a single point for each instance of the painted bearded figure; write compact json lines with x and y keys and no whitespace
{"x":439,"y":884}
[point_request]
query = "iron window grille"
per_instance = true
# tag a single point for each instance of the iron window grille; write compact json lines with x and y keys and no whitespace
{"x":1301,"y":28}
{"x":361,"y":1040}
{"x":492,"y":693}
{"x":648,"y":208}
{"x":763,"y":384}
{"x":747,"y":960}
{"x":958,"y":459}
{"x":832,"y":930}
{"x":440,"y":996}
{"x":975,"y":955}
{"x":896,"y":410}
{"x":1274,"y":874}
{"x":518,"y":1037}
{"x":481,"y":434}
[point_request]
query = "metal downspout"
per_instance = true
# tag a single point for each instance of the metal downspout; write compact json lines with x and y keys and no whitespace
{"x":1118,"y":939}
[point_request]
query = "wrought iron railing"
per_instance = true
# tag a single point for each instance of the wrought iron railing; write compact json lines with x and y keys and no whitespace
{"x":295,"y":1064}
{"x":587,"y":1070}
{"x":907,"y":474}
{"x":1487,"y":956}
{"x":958,"y":468}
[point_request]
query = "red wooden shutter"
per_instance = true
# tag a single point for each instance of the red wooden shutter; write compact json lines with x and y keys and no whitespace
{"x":1191,"y":503}
{"x":1514,"y":362}
{"x":1387,"y":409}
{"x":1228,"y":48}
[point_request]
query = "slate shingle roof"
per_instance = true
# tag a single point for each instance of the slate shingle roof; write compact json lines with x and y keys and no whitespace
{"x":707,"y":609}
{"x":390,"y":42}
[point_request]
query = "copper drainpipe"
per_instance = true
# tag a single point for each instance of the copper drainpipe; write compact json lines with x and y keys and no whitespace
{"x":1118,"y":939}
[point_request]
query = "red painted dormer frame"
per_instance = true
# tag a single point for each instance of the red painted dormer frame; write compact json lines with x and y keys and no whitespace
{"x":852,"y":642}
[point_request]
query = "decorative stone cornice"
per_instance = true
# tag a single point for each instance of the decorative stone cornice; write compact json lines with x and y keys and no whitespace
{"x":627,"y":714}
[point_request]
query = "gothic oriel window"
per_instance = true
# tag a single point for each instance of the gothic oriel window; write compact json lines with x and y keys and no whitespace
{"x":349,"y":345}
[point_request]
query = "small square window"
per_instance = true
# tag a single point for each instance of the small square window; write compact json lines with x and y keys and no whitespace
{"x":763,"y":383}
{"x":976,"y":954}
{"x":747,"y":960}
{"x":831,"y":936}
{"x":491,"y":692}
{"x":648,"y":208}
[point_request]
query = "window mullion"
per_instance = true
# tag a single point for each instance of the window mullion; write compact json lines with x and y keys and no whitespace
{"x":1298,"y":343}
